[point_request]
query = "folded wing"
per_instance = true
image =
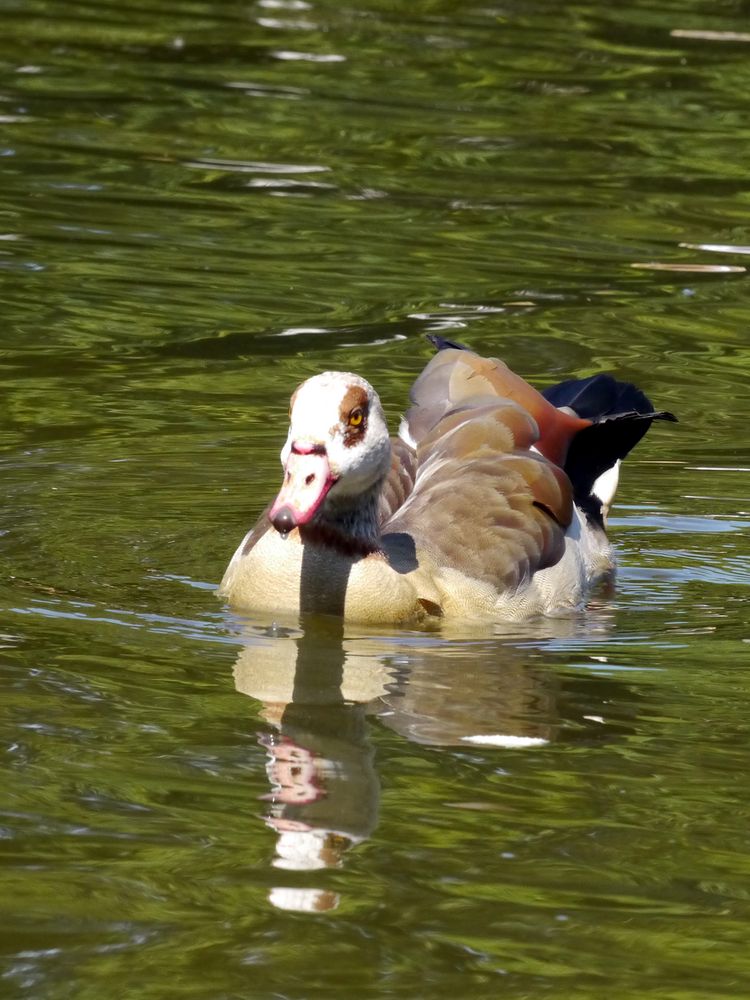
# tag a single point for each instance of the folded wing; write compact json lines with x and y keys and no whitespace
{"x":481,"y":501}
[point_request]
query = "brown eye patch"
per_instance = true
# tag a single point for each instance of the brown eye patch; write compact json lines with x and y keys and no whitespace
{"x":353,"y":414}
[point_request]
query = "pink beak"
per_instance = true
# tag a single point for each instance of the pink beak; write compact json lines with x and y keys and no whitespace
{"x":307,"y":480}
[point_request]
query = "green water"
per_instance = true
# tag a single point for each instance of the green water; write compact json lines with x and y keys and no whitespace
{"x":202,"y":204}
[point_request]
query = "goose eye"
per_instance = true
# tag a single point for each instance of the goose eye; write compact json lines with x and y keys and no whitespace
{"x":356,"y":417}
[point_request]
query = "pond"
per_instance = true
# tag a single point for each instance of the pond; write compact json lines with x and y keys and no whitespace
{"x":204,"y":203}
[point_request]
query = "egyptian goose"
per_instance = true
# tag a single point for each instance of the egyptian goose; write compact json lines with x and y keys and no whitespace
{"x":491,"y":501}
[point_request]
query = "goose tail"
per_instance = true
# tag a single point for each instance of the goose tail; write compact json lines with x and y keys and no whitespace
{"x":620,"y":416}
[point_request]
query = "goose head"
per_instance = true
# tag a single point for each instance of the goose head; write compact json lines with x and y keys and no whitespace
{"x":337,"y":452}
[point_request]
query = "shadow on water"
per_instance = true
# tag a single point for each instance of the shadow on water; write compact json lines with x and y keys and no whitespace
{"x":467,"y":689}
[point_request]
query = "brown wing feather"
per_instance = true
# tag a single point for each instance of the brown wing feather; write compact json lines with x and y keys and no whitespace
{"x":454,"y":377}
{"x":481,"y":502}
{"x":400,"y":479}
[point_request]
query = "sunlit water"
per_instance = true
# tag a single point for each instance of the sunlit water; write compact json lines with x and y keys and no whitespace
{"x":202,"y":204}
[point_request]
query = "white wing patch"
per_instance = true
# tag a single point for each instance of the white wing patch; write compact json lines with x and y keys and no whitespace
{"x":405,"y":434}
{"x":605,"y":487}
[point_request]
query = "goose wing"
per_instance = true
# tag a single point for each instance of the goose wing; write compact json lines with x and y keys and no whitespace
{"x":482,"y":502}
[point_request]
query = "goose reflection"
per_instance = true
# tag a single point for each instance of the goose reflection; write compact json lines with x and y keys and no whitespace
{"x":324,"y":787}
{"x":318,"y":683}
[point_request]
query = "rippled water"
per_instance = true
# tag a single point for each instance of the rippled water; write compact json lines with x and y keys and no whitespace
{"x":201,"y":204}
